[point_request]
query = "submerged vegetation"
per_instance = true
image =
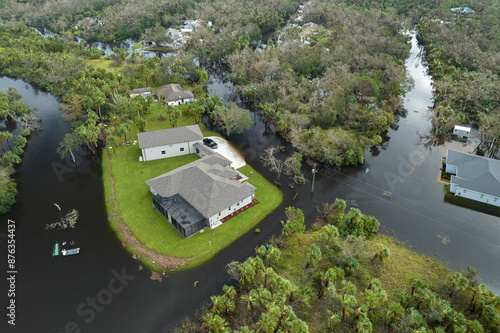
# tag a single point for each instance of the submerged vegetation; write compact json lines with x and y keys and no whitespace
{"x":13,"y":108}
{"x":336,"y":279}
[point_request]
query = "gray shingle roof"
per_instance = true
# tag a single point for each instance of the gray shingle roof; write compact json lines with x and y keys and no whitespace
{"x":140,"y":90}
{"x":475,"y":173}
{"x":174,"y":92}
{"x":207,"y":185}
{"x":169,"y":136}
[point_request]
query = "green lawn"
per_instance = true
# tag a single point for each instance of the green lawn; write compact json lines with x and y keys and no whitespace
{"x":137,"y":45}
{"x":102,"y":63}
{"x":135,"y":203}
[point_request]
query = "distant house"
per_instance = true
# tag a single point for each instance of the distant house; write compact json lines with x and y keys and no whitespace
{"x":310,"y":25}
{"x":140,"y":92}
{"x":200,"y":194}
{"x":176,"y":39}
{"x":174,"y":95}
{"x":308,"y":30}
{"x":169,"y":142}
{"x":464,"y":10}
{"x":461,"y":131}
{"x":475,"y":177}
{"x":196,"y":23}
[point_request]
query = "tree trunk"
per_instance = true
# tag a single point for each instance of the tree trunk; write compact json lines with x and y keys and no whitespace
{"x":72,"y":156}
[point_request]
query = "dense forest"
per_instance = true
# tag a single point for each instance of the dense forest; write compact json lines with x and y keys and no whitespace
{"x":331,"y":93}
{"x":341,"y":277}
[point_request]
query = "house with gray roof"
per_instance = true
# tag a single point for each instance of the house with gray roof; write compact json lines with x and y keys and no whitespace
{"x":475,"y":177}
{"x":169,"y":142}
{"x":140,"y":92}
{"x":200,"y":194}
{"x":173,"y":94}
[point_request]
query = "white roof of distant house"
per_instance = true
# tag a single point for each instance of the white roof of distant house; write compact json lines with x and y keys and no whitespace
{"x":169,"y":136}
{"x":462,"y":128}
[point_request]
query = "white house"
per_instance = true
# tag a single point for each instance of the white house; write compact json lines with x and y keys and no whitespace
{"x":140,"y":92}
{"x":475,"y":177}
{"x":461,"y":131}
{"x":174,"y":95}
{"x":169,"y":142}
{"x":200,"y":194}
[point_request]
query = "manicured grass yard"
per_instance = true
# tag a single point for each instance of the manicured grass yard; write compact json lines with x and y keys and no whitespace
{"x":135,"y":203}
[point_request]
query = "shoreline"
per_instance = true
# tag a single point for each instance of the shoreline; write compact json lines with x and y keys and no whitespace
{"x":160,"y":262}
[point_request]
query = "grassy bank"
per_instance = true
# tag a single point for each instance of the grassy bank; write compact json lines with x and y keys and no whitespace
{"x":318,"y":281}
{"x":149,"y":227}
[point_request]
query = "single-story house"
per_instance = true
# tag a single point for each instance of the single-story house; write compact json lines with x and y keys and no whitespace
{"x":308,"y":30}
{"x":461,"y":131}
{"x":174,"y":95}
{"x":169,"y":142}
{"x":310,"y":25}
{"x":140,"y":92}
{"x":200,"y":194}
{"x":475,"y":177}
{"x":463,"y":10}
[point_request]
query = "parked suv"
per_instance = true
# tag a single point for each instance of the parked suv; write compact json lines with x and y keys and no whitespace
{"x":209,"y":142}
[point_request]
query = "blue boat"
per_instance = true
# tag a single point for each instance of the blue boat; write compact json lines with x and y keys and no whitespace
{"x":70,"y":251}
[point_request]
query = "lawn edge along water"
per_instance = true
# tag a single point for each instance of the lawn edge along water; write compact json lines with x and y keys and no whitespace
{"x":150,"y":228}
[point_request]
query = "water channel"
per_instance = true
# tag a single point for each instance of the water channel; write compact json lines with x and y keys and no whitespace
{"x":59,"y":294}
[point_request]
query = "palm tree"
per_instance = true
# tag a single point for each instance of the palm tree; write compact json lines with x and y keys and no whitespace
{"x":215,"y":323}
{"x":112,"y":140}
{"x":456,"y":320}
{"x":328,"y":278}
{"x":364,"y":325}
{"x":6,"y":136}
{"x":457,"y":282}
{"x":251,"y":298}
{"x":313,"y":256}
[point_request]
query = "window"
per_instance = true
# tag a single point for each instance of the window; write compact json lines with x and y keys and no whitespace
{"x":219,"y":213}
{"x":495,"y":200}
{"x":465,"y":191}
{"x":482,"y":196}
{"x":238,"y":204}
{"x":229,"y":208}
{"x":182,"y":149}
{"x":163,"y":152}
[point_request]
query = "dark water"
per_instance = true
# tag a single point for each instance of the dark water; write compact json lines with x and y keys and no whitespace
{"x":65,"y":294}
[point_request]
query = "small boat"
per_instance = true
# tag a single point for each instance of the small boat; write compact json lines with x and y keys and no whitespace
{"x":55,"y":251}
{"x":70,"y":252}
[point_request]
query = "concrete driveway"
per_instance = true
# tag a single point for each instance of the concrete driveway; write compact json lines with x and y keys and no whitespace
{"x":227,"y":150}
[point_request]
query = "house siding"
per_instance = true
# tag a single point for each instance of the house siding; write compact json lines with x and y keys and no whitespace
{"x":181,"y":101}
{"x":451,"y":169}
{"x":476,"y":196}
{"x":155,"y":153}
{"x":234,"y":207}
